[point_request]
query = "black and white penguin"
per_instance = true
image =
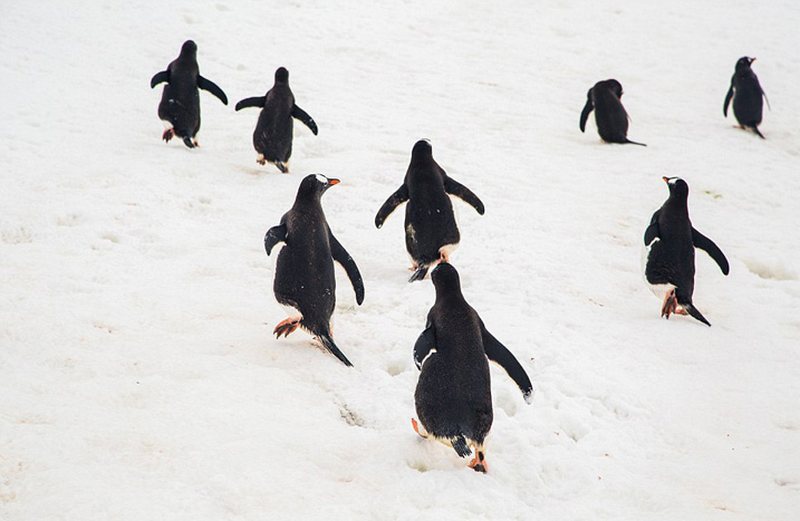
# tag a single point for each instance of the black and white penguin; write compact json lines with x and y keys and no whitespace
{"x":431,"y":230}
{"x":305,"y":281}
{"x":746,"y":92}
{"x":272,"y":138}
{"x":180,"y":102}
{"x":670,"y":241}
{"x":454,"y":396}
{"x":605,"y":98}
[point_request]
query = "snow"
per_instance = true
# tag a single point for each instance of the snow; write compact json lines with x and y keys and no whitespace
{"x":138,"y":374}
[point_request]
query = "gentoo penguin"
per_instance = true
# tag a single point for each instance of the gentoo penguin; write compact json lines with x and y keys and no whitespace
{"x":304,"y":274}
{"x":272,"y":138}
{"x":609,"y":114}
{"x":454,"y":396}
{"x":180,"y":102}
{"x":431,"y":230}
{"x":670,"y":241}
{"x":746,"y":92}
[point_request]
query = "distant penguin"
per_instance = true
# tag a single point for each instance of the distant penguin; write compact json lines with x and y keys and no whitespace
{"x":605,"y":98}
{"x":272,"y":138}
{"x":431,"y":230}
{"x":180,"y":102}
{"x":746,"y":92}
{"x":670,"y":241}
{"x":304,"y":273}
{"x":454,"y":396}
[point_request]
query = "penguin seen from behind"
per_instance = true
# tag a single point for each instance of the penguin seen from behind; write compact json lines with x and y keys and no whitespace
{"x":747,"y":94}
{"x":605,"y":98}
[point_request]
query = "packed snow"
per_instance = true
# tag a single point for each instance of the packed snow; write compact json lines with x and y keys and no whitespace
{"x":138,"y":371}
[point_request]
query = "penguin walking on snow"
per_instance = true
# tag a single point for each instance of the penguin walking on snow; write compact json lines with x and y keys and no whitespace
{"x":272,"y":138}
{"x":670,"y":241}
{"x":304,"y":274}
{"x":746,"y":92}
{"x":180,"y":102}
{"x":454,"y":396}
{"x":431,"y":230}
{"x":605,"y":98}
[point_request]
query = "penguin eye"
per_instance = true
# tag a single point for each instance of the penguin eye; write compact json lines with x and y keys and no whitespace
{"x":322,"y":179}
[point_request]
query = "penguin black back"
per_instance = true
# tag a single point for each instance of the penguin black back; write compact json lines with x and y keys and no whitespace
{"x":430,"y":224}
{"x":605,"y":98}
{"x":179,"y":108}
{"x":304,"y":273}
{"x":748,"y":96}
{"x":273,"y":134}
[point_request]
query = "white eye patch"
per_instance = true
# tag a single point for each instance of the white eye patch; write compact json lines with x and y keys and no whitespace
{"x":321,"y":178}
{"x":673,"y":180}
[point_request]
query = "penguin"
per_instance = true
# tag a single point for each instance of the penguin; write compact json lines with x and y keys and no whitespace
{"x":605,"y":98}
{"x":304,"y":273}
{"x":453,"y":397}
{"x":272,"y":138}
{"x":746,"y":92}
{"x":670,"y":241}
{"x":180,"y":102}
{"x":431,"y":230}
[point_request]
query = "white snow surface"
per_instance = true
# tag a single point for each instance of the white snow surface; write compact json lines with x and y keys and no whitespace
{"x":138,"y":373}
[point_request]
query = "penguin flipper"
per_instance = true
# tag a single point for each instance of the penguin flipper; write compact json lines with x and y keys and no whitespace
{"x":587,"y":109}
{"x":212,"y":87}
{"x":160,"y":77}
{"x":765,"y":98}
{"x":273,"y":236}
{"x":341,"y":256}
{"x":399,"y":197}
{"x":453,"y":187}
{"x":704,"y":243}
{"x":426,"y":342}
{"x":303,"y":116}
{"x":328,"y":343}
{"x":728,"y":97}
{"x":498,"y":353}
{"x":652,"y":231}
{"x":257,"y":102}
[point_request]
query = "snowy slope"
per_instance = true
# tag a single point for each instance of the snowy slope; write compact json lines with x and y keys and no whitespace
{"x":138,"y":374}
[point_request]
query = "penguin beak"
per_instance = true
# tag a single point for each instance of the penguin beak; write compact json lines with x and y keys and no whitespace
{"x":665,"y":179}
{"x":333,"y":181}
{"x":752,"y":60}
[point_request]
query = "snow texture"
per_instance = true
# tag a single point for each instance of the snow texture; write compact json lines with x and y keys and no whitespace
{"x":138,"y":374}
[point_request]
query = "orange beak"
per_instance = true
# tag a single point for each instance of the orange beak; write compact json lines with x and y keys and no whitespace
{"x":665,"y":179}
{"x":333,"y":181}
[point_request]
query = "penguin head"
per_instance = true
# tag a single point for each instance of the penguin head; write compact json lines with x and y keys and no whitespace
{"x":445,"y":279}
{"x":615,"y":87}
{"x":314,"y":185}
{"x":744,"y":63}
{"x":189,"y":48}
{"x":422,"y":150}
{"x":677,"y":187}
{"x":281,"y":75}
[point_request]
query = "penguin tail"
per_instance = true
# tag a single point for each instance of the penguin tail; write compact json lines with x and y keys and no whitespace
{"x":328,"y":343}
{"x":188,"y":142}
{"x":755,"y":129}
{"x":694,"y":313}
{"x":460,"y":445}
{"x":629,"y":142}
{"x":419,"y":274}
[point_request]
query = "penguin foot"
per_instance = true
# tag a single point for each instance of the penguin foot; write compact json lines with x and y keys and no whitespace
{"x":286,"y":327}
{"x":478,"y":463}
{"x":444,"y":257}
{"x":168,"y":134}
{"x":260,"y":159}
{"x":416,"y":426}
{"x":670,"y":304}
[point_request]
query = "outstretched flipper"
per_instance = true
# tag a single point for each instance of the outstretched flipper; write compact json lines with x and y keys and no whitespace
{"x":652,"y":231}
{"x":498,"y":353}
{"x":160,"y":77}
{"x":212,"y":87}
{"x":707,"y":245}
{"x":424,"y":345}
{"x":341,"y":256}
{"x":303,"y":116}
{"x":453,"y":187}
{"x":273,"y":236}
{"x":587,"y":109}
{"x":399,"y":197}
{"x":328,"y":343}
{"x":257,"y":102}
{"x":728,"y":97}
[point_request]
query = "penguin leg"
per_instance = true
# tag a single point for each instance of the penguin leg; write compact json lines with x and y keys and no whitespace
{"x":419,"y":429}
{"x":478,"y":462}
{"x":445,"y":251}
{"x":670,"y":303}
{"x":168,"y":134}
{"x":287,"y":326}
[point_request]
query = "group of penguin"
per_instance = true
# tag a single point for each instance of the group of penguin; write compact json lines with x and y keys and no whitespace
{"x":453,"y":393}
